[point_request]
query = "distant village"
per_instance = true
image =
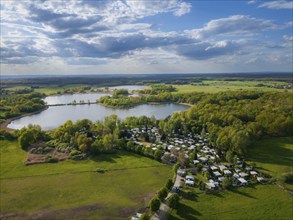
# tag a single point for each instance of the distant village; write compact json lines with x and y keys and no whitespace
{"x":208,"y":159}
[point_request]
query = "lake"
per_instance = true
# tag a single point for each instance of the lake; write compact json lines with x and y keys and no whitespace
{"x":128,"y":87}
{"x":55,"y":116}
{"x":69,"y":98}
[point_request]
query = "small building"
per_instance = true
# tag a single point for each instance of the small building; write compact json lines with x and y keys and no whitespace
{"x":243,"y":175}
{"x":248,"y":168}
{"x":222,"y":167}
{"x":221,"y":178}
{"x":254,"y":173}
{"x":189,"y":182}
{"x":213,"y":168}
{"x":227,"y":172}
{"x":210,"y":185}
{"x":181,"y":172}
{"x":196,"y":162}
{"x":203,"y":159}
{"x":242,"y":181}
{"x":217,"y":174}
{"x":260,"y":179}
{"x":237,"y":170}
{"x":188,"y":177}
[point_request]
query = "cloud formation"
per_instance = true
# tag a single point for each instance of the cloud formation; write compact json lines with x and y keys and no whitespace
{"x":94,"y":32}
{"x":282,"y":4}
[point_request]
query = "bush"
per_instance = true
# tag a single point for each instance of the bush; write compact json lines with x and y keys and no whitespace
{"x":169,"y":184}
{"x":5,"y":135}
{"x":145,"y":216}
{"x":101,"y":170}
{"x":173,"y":201}
{"x":51,"y":159}
{"x":162,"y":194}
{"x":288,"y":178}
{"x":155,"y":204}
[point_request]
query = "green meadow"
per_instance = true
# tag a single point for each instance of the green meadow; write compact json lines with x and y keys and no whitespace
{"x":260,"y":202}
{"x":273,"y":156}
{"x":58,"y":190}
{"x":214,"y":86}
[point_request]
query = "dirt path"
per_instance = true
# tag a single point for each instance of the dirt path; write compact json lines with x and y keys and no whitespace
{"x":163,"y":212}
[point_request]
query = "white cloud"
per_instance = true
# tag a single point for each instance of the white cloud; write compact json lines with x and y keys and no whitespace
{"x":233,"y":25}
{"x":282,"y":4}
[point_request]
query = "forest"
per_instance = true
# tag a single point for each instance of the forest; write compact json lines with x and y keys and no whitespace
{"x":233,"y":120}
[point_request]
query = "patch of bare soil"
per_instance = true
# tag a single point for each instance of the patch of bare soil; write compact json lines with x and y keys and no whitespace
{"x":33,"y":158}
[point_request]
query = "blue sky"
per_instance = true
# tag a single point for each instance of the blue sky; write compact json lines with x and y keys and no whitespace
{"x":145,"y":36}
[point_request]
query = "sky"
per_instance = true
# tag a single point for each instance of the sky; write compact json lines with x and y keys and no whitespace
{"x":145,"y":36}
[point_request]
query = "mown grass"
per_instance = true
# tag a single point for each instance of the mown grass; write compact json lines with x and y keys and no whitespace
{"x":273,"y":156}
{"x":259,"y":202}
{"x":129,"y":182}
{"x":214,"y":86}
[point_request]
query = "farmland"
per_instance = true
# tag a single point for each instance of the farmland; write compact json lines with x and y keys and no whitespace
{"x":214,"y":86}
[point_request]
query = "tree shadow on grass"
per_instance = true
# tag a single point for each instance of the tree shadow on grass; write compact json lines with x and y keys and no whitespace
{"x":192,"y":196}
{"x":236,"y":191}
{"x":217,"y":194}
{"x":186,"y":212}
{"x":107,"y":157}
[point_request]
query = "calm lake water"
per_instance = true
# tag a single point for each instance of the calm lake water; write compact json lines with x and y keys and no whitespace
{"x":55,"y":116}
{"x":69,"y":98}
{"x":128,"y":87}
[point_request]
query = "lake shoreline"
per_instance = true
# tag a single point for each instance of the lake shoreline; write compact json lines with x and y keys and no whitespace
{"x":4,"y":125}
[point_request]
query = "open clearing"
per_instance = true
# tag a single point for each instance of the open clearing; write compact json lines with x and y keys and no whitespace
{"x":214,"y":86}
{"x":259,"y":202}
{"x":273,"y":156}
{"x":71,"y":189}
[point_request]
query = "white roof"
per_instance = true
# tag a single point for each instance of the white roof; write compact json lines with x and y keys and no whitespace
{"x":210,"y":185}
{"x":189,"y":182}
{"x":253,"y":172}
{"x":242,"y":180}
{"x":203,"y":159}
{"x":196,"y":161}
{"x":259,"y":179}
{"x":242,"y":174}
{"x":235,"y":175}
{"x":221,"y":178}
{"x":227,"y":172}
{"x":189,"y":177}
{"x":237,"y":170}
{"x":222,"y":167}
{"x":214,"y":168}
{"x":216,"y":173}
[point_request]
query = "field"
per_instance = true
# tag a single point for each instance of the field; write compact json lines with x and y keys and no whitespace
{"x":259,"y":202}
{"x":214,"y":86}
{"x":71,"y":189}
{"x":273,"y":156}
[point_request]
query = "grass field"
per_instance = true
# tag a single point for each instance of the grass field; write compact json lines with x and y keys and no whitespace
{"x":214,"y":86}
{"x":273,"y":156}
{"x":259,"y":202}
{"x":71,"y":189}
